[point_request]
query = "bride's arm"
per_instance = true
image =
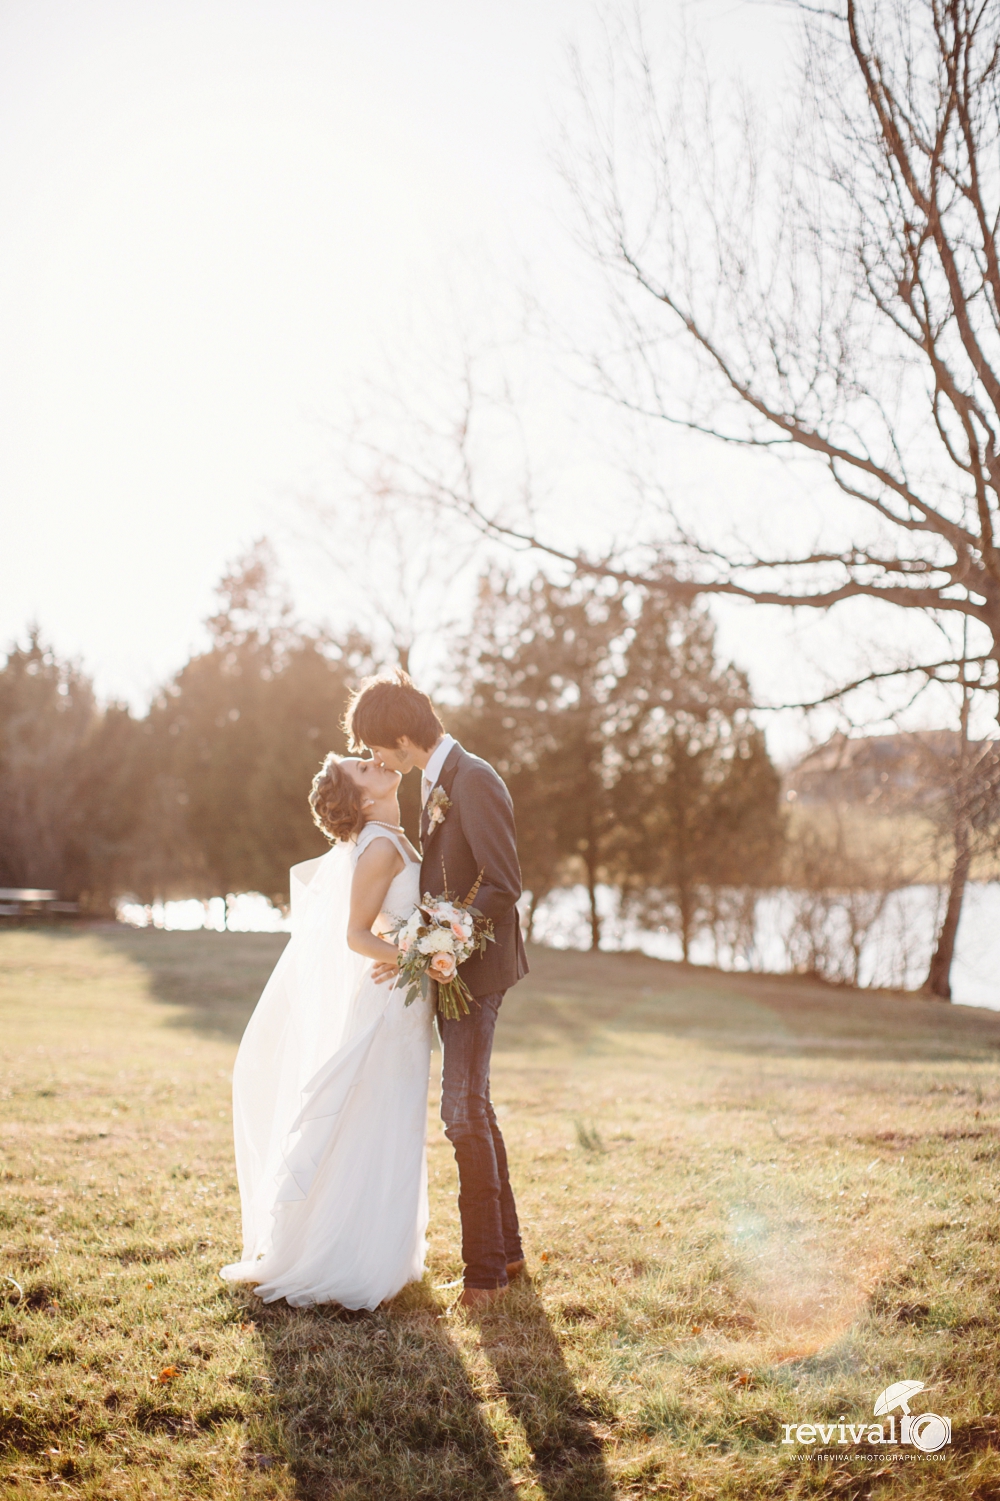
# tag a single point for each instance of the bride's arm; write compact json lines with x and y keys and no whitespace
{"x":373,"y":875}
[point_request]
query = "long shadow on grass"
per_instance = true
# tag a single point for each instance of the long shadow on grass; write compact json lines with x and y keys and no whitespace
{"x":541,"y":1394}
{"x":378,"y":1406}
{"x":586,"y":1002}
{"x":211,"y":981}
{"x":594,"y":1002}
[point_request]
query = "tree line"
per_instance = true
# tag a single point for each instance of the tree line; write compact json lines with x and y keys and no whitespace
{"x":629,"y":748}
{"x":203,"y":795}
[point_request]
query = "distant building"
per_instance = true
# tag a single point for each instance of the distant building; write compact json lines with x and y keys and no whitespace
{"x":892,"y":771}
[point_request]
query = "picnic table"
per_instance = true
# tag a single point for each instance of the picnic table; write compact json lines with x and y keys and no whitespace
{"x":31,"y":901}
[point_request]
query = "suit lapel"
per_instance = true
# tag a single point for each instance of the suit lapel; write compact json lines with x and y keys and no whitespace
{"x":444,"y":781}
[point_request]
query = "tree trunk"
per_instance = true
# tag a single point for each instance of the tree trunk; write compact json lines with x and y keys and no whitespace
{"x":938,"y":981}
{"x":939,"y":976}
{"x":595,"y":921}
{"x":684,"y":905}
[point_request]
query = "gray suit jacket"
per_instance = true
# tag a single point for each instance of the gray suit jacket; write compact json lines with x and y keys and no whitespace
{"x":478,"y":835}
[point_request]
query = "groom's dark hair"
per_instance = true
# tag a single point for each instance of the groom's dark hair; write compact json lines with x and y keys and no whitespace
{"x":384,"y":709}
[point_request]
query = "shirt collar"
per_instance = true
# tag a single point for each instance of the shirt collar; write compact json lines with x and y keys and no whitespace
{"x":437,"y":759}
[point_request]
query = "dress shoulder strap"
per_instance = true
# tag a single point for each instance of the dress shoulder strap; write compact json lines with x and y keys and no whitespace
{"x":371,"y":832}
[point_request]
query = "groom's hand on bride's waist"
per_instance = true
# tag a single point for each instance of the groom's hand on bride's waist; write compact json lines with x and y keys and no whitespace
{"x":384,"y":970}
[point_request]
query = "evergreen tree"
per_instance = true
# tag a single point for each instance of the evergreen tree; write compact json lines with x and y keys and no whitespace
{"x":537,"y":684}
{"x":241,"y":730}
{"x":629,"y":751}
{"x":70,"y":779}
{"x":697,"y":796}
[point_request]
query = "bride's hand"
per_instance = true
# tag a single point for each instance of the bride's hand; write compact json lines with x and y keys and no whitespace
{"x":384,"y":970}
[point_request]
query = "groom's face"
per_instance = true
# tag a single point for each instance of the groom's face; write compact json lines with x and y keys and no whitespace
{"x":394,"y":758}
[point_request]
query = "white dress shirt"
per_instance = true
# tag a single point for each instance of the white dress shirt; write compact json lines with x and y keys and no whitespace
{"x":432,"y":770}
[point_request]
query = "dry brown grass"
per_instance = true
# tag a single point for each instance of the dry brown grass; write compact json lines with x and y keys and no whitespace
{"x":747,"y":1202}
{"x":901,"y":848}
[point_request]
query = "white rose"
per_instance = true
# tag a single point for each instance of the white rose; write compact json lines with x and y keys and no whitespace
{"x":438,"y":942}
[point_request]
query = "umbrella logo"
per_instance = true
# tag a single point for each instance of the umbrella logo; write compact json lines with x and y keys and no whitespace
{"x":927,"y":1430}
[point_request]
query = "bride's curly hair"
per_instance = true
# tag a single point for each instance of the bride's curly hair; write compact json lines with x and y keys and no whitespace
{"x":335,"y":801}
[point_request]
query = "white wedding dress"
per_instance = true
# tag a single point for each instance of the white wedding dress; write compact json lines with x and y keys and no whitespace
{"x":330,"y":1106}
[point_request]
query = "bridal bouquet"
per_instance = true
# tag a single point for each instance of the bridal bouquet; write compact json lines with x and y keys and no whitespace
{"x":441,"y":934}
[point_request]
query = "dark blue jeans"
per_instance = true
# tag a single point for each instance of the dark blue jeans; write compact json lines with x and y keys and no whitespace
{"x":490,"y":1233}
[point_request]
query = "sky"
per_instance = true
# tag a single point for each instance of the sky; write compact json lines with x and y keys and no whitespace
{"x":221,"y":223}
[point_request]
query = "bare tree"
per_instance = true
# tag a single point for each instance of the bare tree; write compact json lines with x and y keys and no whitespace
{"x":852,"y":313}
{"x":391,"y":569}
{"x":835,"y":297}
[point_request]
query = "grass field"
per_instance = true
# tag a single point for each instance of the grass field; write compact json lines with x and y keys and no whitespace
{"x":747,"y":1203}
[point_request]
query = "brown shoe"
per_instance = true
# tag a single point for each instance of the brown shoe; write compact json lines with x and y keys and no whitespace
{"x":517,"y":1269}
{"x":476,"y":1297}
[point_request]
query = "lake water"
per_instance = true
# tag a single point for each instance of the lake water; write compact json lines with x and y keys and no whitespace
{"x":896,"y":950}
{"x":249,"y":912}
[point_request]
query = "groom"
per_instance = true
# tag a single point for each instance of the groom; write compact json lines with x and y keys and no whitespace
{"x":466,"y":827}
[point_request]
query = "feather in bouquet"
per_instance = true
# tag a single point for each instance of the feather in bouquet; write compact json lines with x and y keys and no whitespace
{"x":439,"y":935}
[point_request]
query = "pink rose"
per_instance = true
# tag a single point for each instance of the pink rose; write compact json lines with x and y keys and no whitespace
{"x":442,"y":967}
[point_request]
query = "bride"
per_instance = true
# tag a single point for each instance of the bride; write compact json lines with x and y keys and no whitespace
{"x":330,"y":1083}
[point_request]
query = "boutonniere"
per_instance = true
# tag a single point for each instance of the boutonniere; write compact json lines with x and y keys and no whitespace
{"x":437,"y":806}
